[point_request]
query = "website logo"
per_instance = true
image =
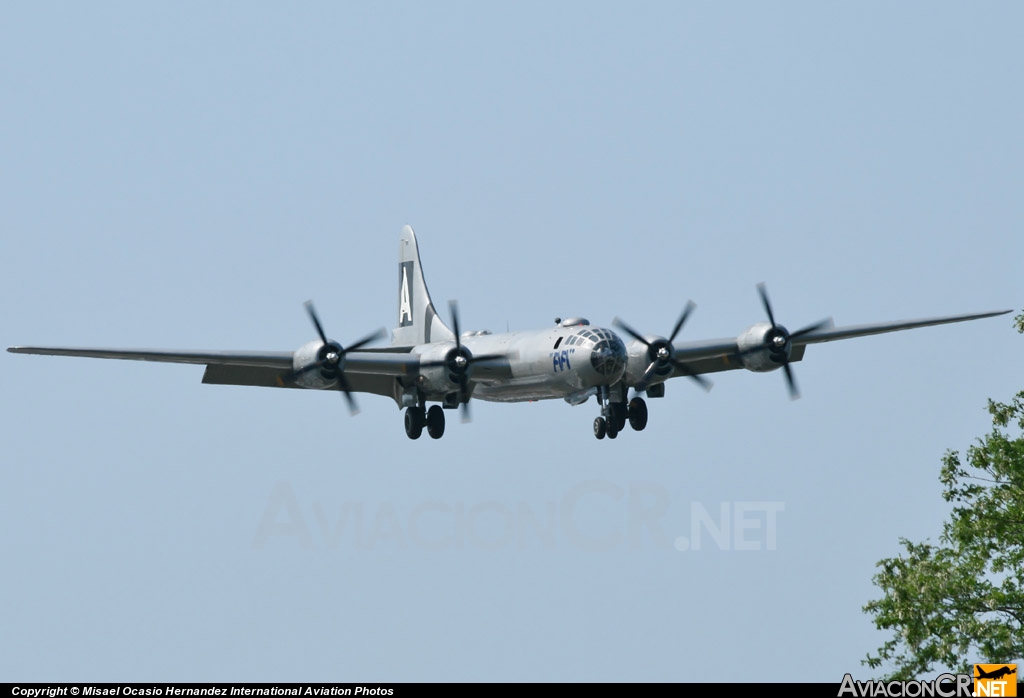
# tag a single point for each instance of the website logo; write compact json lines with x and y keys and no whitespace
{"x":995,"y":680}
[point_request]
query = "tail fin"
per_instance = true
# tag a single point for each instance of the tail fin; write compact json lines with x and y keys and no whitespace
{"x":418,"y":322}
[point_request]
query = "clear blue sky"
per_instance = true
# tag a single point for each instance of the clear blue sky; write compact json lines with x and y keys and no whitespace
{"x":185,"y":175}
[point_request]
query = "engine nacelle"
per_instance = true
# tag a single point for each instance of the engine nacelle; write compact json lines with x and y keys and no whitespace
{"x":439,"y":378}
{"x":764,"y":348}
{"x":307,"y":355}
{"x":638,"y":359}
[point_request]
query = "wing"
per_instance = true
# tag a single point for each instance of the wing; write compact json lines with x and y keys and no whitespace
{"x":832,"y":334}
{"x":392,"y":363}
{"x":280,"y":359}
{"x":727,"y":362}
{"x":261,"y":376}
{"x":373,"y":371}
{"x":715,"y":355}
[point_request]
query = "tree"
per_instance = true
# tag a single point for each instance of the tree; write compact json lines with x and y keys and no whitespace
{"x":962,"y":601}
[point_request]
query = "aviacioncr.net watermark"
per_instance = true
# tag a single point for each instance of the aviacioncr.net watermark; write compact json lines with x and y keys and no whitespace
{"x":595,"y":515}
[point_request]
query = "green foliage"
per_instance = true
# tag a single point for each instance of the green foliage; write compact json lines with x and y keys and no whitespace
{"x":961,"y":601}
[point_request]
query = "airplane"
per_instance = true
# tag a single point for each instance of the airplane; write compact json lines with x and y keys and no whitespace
{"x":995,"y":673}
{"x":429,"y":361}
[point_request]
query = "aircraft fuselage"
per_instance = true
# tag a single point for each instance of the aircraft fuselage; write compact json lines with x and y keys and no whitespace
{"x":564,"y":361}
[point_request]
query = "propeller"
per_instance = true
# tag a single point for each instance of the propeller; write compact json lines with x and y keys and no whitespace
{"x":331,"y":356}
{"x":778,"y":340}
{"x":661,"y":352}
{"x":458,"y":362}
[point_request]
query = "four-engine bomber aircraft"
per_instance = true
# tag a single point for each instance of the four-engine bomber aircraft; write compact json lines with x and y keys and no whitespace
{"x":430,"y":362}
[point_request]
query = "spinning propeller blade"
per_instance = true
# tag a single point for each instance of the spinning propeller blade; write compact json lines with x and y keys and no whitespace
{"x":662,"y":352}
{"x":333,"y":358}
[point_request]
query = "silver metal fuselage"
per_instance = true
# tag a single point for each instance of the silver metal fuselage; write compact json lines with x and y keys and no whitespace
{"x":559,"y":362}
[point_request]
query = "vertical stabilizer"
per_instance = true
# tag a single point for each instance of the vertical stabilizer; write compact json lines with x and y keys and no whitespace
{"x":418,"y":322}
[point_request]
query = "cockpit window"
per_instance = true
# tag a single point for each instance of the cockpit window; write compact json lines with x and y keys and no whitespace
{"x":596,"y":335}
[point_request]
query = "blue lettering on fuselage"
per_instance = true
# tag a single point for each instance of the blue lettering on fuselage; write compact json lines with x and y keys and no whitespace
{"x":560,"y":360}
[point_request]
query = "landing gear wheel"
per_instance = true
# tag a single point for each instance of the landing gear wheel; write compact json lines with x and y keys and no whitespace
{"x":618,"y":413}
{"x":435,"y":422}
{"x":414,"y":421}
{"x":637,"y":414}
{"x":612,"y":433}
{"x":600,"y":427}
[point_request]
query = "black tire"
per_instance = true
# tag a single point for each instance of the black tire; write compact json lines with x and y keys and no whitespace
{"x":600,"y":427}
{"x":414,"y":420}
{"x":637,"y":414}
{"x":612,"y":433}
{"x":620,"y":413}
{"x":435,"y":422}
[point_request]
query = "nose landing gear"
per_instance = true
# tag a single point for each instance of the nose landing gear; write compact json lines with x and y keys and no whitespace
{"x":614,"y":415}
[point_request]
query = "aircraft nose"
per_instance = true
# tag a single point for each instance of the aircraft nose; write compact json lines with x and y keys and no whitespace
{"x":608,"y":357}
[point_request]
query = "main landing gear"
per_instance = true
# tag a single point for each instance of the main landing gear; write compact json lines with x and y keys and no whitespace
{"x":614,"y":415}
{"x":418,"y":417}
{"x":637,"y":412}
